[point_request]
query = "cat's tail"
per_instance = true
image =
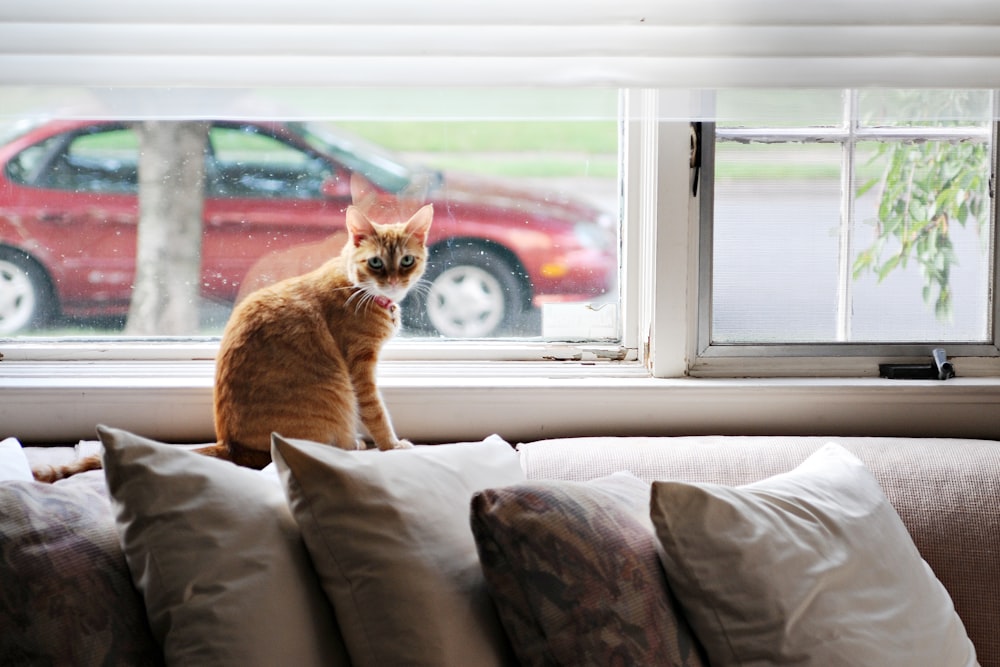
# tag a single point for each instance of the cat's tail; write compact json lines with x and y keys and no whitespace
{"x":49,"y":474}
{"x":219,"y":450}
{"x":237,"y":453}
{"x":233,"y":452}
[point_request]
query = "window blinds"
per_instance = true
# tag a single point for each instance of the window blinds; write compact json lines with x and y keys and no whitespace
{"x":621,"y":43}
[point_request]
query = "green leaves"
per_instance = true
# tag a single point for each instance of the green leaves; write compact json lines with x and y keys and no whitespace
{"x":926,"y":187}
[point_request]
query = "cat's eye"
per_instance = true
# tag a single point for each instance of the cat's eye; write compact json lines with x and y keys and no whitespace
{"x":376,"y":263}
{"x":407,"y":261}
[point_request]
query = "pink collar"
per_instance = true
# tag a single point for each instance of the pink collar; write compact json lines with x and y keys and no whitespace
{"x":383,"y":301}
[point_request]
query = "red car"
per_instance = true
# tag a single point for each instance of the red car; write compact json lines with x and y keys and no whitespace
{"x":69,"y":210}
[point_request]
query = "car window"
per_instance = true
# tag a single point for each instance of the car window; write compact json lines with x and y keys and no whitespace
{"x":99,"y":161}
{"x":379,"y":165}
{"x":245,"y":162}
{"x":26,"y":167}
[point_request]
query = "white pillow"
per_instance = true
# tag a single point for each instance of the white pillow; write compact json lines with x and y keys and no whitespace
{"x":13,"y":463}
{"x":811,"y":567}
{"x":219,"y":559}
{"x":390,"y":536}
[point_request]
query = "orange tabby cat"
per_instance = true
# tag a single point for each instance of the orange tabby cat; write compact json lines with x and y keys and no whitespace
{"x":299,"y":357}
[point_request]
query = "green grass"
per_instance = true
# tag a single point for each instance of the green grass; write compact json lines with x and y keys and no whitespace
{"x":491,"y":136}
{"x":529,"y":149}
{"x":582,"y":166}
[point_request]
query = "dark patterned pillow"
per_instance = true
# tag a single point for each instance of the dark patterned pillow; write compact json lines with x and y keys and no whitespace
{"x":575,"y":576}
{"x":67,"y":597}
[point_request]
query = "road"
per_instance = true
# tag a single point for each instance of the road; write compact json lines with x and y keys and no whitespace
{"x":776,"y":272}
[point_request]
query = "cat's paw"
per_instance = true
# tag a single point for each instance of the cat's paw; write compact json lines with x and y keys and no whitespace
{"x":399,"y":444}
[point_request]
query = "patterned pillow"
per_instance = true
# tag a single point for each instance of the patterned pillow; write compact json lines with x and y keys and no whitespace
{"x":573,"y":570}
{"x":67,"y":596}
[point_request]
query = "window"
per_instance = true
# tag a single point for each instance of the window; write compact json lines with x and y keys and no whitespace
{"x":88,"y":161}
{"x":525,"y":243}
{"x":596,"y":98}
{"x":244,"y":161}
{"x":858,"y":220}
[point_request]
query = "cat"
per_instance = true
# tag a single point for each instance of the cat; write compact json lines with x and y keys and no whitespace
{"x":299,"y":357}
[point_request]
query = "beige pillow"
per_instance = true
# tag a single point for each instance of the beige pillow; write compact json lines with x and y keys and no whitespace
{"x":13,"y":462}
{"x":390,"y":535}
{"x":811,"y":567}
{"x":219,"y":559}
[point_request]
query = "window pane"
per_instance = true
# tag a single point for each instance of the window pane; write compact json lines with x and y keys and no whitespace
{"x":940,"y":108}
{"x":775,"y":246}
{"x":921,"y":242}
{"x":524,"y":183}
{"x":780,"y":108}
{"x":876,"y":229}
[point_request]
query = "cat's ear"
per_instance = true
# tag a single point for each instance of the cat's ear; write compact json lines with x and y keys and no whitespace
{"x":420,"y":223}
{"x":359,"y":227}
{"x":362,"y":191}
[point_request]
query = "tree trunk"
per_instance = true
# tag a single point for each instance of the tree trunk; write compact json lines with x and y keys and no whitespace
{"x":166,"y":295}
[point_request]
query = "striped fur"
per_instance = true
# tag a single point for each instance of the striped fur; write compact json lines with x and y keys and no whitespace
{"x":299,"y":357}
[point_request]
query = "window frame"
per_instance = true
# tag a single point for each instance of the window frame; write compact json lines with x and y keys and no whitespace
{"x":849,"y":359}
{"x":656,"y":50}
{"x":57,"y":392}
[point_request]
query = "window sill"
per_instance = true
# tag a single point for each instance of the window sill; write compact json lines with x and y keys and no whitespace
{"x":435,"y":401}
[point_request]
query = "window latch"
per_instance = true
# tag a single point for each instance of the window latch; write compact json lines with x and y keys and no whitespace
{"x":939,"y":369}
{"x":695,"y":159}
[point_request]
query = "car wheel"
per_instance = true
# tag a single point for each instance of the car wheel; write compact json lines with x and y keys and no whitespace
{"x":25,"y":295}
{"x":468,"y":292}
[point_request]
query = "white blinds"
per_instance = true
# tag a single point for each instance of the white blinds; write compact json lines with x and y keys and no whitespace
{"x":655,"y":43}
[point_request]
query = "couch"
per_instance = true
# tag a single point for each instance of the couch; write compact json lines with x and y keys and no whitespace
{"x":660,"y":550}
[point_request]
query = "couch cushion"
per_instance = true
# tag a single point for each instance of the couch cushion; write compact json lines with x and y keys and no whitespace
{"x":390,"y":537}
{"x":66,"y":596}
{"x":945,"y":491}
{"x":573,"y":570}
{"x":219,"y":558}
{"x":810,"y":567}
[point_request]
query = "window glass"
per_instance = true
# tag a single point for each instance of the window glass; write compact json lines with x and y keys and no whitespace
{"x":524,"y":183}
{"x":776,"y":247}
{"x":779,"y":108}
{"x":95,"y":159}
{"x":924,"y":108}
{"x":31,"y":164}
{"x":876,"y":228}
{"x":244,"y":161}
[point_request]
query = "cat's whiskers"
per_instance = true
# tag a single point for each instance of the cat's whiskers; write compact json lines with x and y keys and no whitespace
{"x":422,"y":287}
{"x":359,"y":297}
{"x":363,"y":296}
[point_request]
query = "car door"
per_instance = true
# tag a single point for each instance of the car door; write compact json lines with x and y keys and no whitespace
{"x":80,"y":204}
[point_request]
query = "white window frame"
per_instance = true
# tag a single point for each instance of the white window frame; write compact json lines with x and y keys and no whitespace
{"x":51,"y":393}
{"x":656,"y":50}
{"x":836,"y":358}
